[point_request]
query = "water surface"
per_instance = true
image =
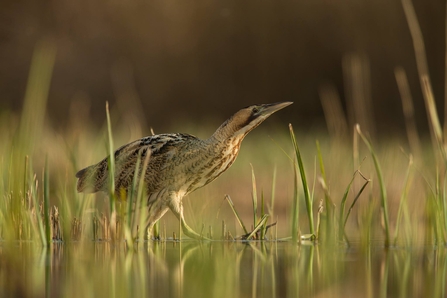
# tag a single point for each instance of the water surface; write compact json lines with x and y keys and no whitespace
{"x":219,"y":269}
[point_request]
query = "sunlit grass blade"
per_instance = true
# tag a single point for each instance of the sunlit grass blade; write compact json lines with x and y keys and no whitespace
{"x":403,"y":204}
{"x":422,"y":66}
{"x":25,"y":176}
{"x":131,"y":215}
{"x":436,"y":213}
{"x":230,"y":202}
{"x":307,"y":197}
{"x":433,"y":116}
{"x":40,"y":226}
{"x":141,"y":206}
{"x":156,"y":230}
{"x":272,"y":198}
{"x":444,"y":203}
{"x":383,"y":192}
{"x":111,"y":174}
{"x":254,"y":196}
{"x":263,"y":228}
{"x":295,"y":205}
{"x":66,"y":212}
{"x":319,"y":212}
{"x":408,"y":111}
{"x":342,"y":209}
{"x":355,"y":200}
{"x":329,"y":204}
{"x":46,"y":203}
{"x":36,"y":97}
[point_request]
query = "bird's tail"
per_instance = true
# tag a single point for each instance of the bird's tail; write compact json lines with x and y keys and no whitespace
{"x":92,"y":178}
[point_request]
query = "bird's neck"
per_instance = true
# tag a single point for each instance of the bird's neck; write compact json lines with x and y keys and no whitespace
{"x":224,"y":132}
{"x":230,"y":129}
{"x":225,"y":137}
{"x":226,"y":147}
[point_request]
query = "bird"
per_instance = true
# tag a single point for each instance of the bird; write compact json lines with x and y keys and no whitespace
{"x":177,"y":163}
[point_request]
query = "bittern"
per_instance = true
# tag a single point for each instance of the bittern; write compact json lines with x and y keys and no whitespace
{"x":177,"y":163}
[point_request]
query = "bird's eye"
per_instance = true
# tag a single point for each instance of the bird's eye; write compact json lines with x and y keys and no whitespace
{"x":255,"y":110}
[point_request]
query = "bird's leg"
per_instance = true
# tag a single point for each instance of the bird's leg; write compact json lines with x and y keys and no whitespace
{"x":155,"y":211}
{"x":190,"y":232}
{"x":177,"y":208}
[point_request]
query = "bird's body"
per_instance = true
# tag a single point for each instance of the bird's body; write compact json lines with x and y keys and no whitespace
{"x":177,"y":163}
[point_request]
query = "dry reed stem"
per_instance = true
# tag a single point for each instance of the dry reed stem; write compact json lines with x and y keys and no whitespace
{"x":333,"y":112}
{"x":408,"y":110}
{"x":357,"y":80}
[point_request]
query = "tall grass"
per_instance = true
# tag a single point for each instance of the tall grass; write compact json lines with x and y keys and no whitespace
{"x":111,"y":177}
{"x":307,"y":197}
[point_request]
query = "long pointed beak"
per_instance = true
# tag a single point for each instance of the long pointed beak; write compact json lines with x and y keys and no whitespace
{"x":270,"y":108}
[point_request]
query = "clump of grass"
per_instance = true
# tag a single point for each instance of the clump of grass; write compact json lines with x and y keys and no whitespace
{"x":260,"y":226}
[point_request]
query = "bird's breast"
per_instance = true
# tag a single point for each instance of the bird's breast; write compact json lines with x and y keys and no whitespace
{"x":211,"y":163}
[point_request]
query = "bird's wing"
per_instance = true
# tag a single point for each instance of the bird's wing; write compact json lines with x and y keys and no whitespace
{"x":160,"y":148}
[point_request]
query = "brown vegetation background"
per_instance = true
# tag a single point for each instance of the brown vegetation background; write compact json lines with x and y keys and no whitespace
{"x":173,"y":60}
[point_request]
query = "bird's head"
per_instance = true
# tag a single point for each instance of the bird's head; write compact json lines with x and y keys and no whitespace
{"x":246,"y":119}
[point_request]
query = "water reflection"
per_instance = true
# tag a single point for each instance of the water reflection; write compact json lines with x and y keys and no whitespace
{"x":219,"y":269}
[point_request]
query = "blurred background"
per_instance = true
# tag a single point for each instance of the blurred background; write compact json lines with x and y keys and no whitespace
{"x":170,"y":61}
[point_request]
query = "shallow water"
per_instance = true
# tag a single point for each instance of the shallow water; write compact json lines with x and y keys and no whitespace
{"x":219,"y":269}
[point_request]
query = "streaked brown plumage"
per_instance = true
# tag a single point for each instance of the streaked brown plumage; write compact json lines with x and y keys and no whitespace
{"x":178,"y":163}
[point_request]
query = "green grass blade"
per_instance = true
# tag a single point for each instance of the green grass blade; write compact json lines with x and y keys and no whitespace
{"x":254,"y":197}
{"x":295,"y":205}
{"x":444,"y":203}
{"x":133,"y":190}
{"x":272,"y":198}
{"x":272,"y":201}
{"x":403,"y":200}
{"x":141,"y":206}
{"x":130,"y":215}
{"x":354,"y":201}
{"x":258,"y":226}
{"x":40,"y":225}
{"x":328,"y":203}
{"x":383,"y":192}
{"x":230,"y":202}
{"x":262,"y":215}
{"x":46,"y":203}
{"x":111,"y":173}
{"x":433,"y":115}
{"x":111,"y":162}
{"x":307,"y":197}
{"x":341,"y":231}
